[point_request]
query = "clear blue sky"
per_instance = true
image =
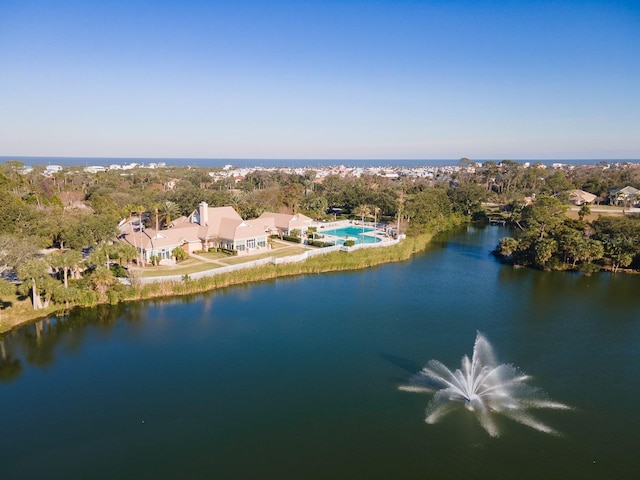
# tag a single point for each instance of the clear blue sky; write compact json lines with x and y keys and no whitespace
{"x":320,"y":79}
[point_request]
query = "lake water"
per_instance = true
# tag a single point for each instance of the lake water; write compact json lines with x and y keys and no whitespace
{"x":298,"y":378}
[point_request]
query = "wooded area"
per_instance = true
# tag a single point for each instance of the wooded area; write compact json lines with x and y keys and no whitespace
{"x":73,"y":216}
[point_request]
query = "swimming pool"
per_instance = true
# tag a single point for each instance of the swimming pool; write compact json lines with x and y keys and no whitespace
{"x":353,"y":233}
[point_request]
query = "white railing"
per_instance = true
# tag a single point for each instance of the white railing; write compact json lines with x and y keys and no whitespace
{"x":386,"y":243}
{"x":263,"y":261}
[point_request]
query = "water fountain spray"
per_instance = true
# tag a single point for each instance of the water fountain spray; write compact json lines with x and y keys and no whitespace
{"x":483,"y":387}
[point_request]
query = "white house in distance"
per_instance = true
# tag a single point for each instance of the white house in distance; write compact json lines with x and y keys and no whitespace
{"x":629,"y":196}
{"x":51,"y":170}
{"x":210,"y":227}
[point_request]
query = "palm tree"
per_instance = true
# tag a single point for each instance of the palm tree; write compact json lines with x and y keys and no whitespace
{"x":33,"y":272}
{"x":139,"y":208}
{"x":6,"y":288}
{"x":65,"y":261}
{"x":101,"y":255}
{"x":400,"y":211}
{"x":376,"y":211}
{"x":130,"y":208}
{"x":126,"y":252}
{"x":363,"y":211}
{"x":101,"y":279}
{"x":168,"y":211}
{"x":155,"y":207}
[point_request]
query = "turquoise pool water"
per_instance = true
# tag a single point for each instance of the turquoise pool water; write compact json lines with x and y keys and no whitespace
{"x":354,"y":233}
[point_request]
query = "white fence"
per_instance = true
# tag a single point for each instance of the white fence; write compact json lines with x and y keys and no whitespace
{"x":263,"y":261}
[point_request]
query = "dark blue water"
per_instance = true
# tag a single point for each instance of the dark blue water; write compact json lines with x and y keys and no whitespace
{"x":297,"y":378}
{"x":278,"y":163}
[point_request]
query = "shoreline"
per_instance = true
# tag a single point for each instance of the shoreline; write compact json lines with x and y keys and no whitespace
{"x":330,"y":262}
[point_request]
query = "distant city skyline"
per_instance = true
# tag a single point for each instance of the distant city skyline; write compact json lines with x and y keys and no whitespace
{"x":404,"y":79}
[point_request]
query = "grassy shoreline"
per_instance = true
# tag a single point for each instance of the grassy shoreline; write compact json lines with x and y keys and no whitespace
{"x":23,"y":312}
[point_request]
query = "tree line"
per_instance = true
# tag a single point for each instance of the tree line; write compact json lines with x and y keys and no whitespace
{"x":75,"y":217}
{"x":548,"y":239}
{"x":77,"y":214}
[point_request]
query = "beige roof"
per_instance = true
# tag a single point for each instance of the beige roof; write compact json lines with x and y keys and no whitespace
{"x":287,"y":221}
{"x":262,"y":225}
{"x":628,"y":190}
{"x":240,"y":230}
{"x":222,"y":222}
{"x":582,"y":196}
{"x":223,"y":212}
{"x":150,"y":238}
{"x":180,"y":222}
{"x":214,"y":214}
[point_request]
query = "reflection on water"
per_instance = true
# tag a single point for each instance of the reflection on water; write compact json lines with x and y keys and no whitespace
{"x":300,"y":375}
{"x":37,"y":343}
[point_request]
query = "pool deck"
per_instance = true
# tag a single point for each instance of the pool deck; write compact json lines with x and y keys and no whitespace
{"x":376,"y":232}
{"x":332,"y":225}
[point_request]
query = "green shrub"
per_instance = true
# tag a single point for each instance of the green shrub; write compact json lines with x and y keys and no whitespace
{"x":115,"y":295}
{"x":290,"y":238}
{"x":319,"y":243}
{"x":179,"y":253}
{"x":589,"y":268}
{"x":119,"y":271}
{"x":556,"y":264}
{"x":87,"y":298}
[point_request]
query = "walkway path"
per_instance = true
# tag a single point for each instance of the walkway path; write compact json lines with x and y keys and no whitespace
{"x":208,"y":260}
{"x":222,"y":267}
{"x":596,"y":209}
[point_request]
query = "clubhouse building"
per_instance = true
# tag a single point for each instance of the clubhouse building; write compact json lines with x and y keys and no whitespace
{"x":210,"y":227}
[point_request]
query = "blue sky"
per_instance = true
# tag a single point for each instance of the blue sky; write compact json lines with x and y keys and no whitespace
{"x":320,"y":79}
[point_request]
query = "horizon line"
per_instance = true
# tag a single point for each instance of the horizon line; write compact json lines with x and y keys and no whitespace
{"x":354,"y":159}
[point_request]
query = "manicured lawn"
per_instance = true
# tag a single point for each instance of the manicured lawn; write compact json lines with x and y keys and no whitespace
{"x":293,"y":250}
{"x":607,"y":211}
{"x":191,"y":265}
{"x":277,"y":253}
{"x":278,"y":244}
{"x":215,"y":255}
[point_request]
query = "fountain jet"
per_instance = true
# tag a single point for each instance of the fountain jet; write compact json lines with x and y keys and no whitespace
{"x":484,"y":387}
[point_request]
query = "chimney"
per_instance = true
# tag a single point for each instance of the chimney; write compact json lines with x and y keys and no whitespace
{"x":204,"y":213}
